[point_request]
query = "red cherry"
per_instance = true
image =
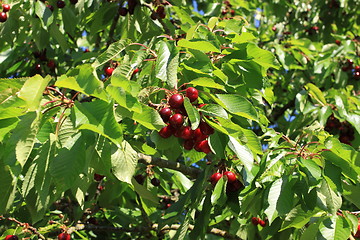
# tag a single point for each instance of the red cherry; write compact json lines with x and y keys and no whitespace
{"x":73,"y":1}
{"x":123,"y":11}
{"x":357,"y":68}
{"x":224,"y":12}
{"x":232,"y":12}
{"x":192,"y":94}
{"x":136,"y":70}
{"x":86,"y":50}
{"x":165,"y":114}
{"x":338,"y":42}
{"x":234,"y":186}
{"x":255,"y":220}
{"x":350,"y":62}
{"x":155,"y":182}
{"x":140,"y":179}
{"x":315,"y":28}
{"x":345,"y":68}
{"x":3,"y":17}
{"x":176,"y":120}
{"x":215,"y":178}
{"x":51,"y":7}
{"x":60,"y":4}
{"x":166,"y":131}
{"x":273,"y":28}
{"x":176,"y":101}
{"x":51,"y":64}
{"x":206,"y":129}
{"x":202,"y":146}
{"x":186,"y":132}
{"x":168,"y":205}
{"x":38,"y":67}
{"x":189,"y":144}
{"x":98,"y":177}
{"x":198,"y":135}
{"x":357,"y":234}
{"x":64,"y":236}
{"x":11,"y":237}
{"x":109,"y":71}
{"x":262,"y":223}
{"x":6,"y":7}
{"x":357,"y":75}
{"x":230,"y":176}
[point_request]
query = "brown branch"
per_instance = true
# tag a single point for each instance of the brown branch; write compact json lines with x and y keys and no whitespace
{"x":149,"y":160}
{"x":25,"y":225}
{"x":113,"y":26}
{"x":154,"y":227}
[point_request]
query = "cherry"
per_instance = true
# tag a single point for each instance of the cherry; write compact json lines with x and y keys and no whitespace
{"x":136,"y":70}
{"x":168,"y":205}
{"x":176,"y":101}
{"x":98,"y":177}
{"x":6,"y":7}
{"x":51,"y":7}
{"x":202,"y":146}
{"x":192,"y":94}
{"x":357,"y":234}
{"x":109,"y":71}
{"x":185,"y":132}
{"x":262,"y":223}
{"x":74,"y":1}
{"x":338,"y":42}
{"x":140,"y":179}
{"x":224,"y":12}
{"x":345,"y":139}
{"x":165,"y":114}
{"x":350,"y":62}
{"x":315,"y":28}
{"x":176,"y":120}
{"x":198,"y":135}
{"x":356,"y":75}
{"x":230,"y":176}
{"x":234,"y":186}
{"x":155,"y":182}
{"x":51,"y":64}
{"x":131,"y":6}
{"x":3,"y":17}
{"x":166,"y":131}
{"x":232,"y":12}
{"x":189,"y":144}
{"x":123,"y":11}
{"x":11,"y":237}
{"x":60,"y":4}
{"x":64,"y":236}
{"x":38,"y":67}
{"x":86,"y":50}
{"x":255,"y":220}
{"x":345,"y":68}
{"x":154,"y":16}
{"x":357,"y":68}
{"x":206,"y":129}
{"x":215,"y":178}
{"x":273,"y":28}
{"x":161,"y":12}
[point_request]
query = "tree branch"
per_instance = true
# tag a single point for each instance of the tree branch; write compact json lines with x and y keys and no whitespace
{"x":25,"y":225}
{"x":149,"y":160}
{"x":113,"y":26}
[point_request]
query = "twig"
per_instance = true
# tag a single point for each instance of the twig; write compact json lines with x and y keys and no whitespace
{"x":113,"y":26}
{"x":190,"y":171}
{"x":25,"y":225}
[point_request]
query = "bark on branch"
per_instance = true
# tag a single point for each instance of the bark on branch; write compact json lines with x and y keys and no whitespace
{"x":149,"y":160}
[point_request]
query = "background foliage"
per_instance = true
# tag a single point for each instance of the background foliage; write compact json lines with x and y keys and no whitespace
{"x":280,"y":80}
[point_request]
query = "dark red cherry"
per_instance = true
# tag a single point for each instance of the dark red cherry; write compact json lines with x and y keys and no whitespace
{"x":60,"y":4}
{"x":192,"y":94}
{"x":206,"y":129}
{"x":189,"y":144}
{"x":176,"y":101}
{"x":64,"y":236}
{"x":11,"y":237}
{"x":166,"y":131}
{"x":6,"y":7}
{"x":3,"y":17}
{"x":155,"y":182}
{"x":185,"y":132}
{"x":123,"y":11}
{"x":198,"y":135}
{"x":98,"y":177}
{"x":176,"y":120}
{"x":165,"y":114}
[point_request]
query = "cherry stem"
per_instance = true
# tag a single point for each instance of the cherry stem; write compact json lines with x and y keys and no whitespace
{"x":54,"y":89}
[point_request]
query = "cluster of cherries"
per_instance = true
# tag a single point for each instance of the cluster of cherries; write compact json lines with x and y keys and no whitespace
{"x":354,"y":70}
{"x":41,"y":55}
{"x":141,"y":178}
{"x":59,"y":4}
{"x":233,"y":183}
{"x":258,"y":221}
{"x":344,"y":129}
{"x":312,"y":30}
{"x":159,"y":13}
{"x":61,"y":236}
{"x":3,"y":15}
{"x":228,"y":9}
{"x":131,"y":4}
{"x":174,"y":114}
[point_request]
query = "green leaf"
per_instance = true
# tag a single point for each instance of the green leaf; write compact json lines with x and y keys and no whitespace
{"x":334,"y":228}
{"x":315,"y":93}
{"x":207,"y":82}
{"x":201,"y":45}
{"x":82,"y":79}
{"x":114,"y":49}
{"x":218,"y":142}
{"x":238,"y":105}
{"x":7,"y":188}
{"x":124,"y":98}
{"x":242,"y":152}
{"x":280,"y":199}
{"x":328,"y":200}
{"x":218,"y":197}
{"x":124,"y":161}
{"x":202,"y":221}
{"x":44,"y":13}
{"x":59,"y":37}
{"x":32,"y":91}
{"x":98,"y":116}
{"x":193,"y":114}
{"x":297,"y":218}
{"x":144,"y":192}
{"x":6,"y":125}
{"x":262,"y":57}
{"x":167,"y":63}
{"x":214,"y":110}
{"x":181,"y":232}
